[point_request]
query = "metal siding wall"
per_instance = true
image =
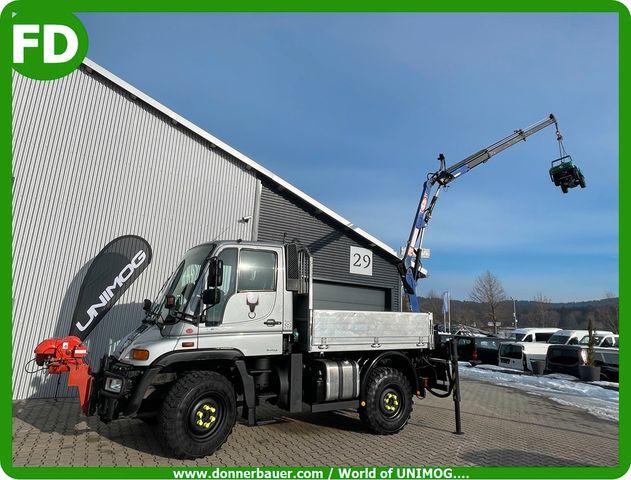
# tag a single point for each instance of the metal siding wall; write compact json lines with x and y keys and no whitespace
{"x":90,"y":164}
{"x":283,"y":216}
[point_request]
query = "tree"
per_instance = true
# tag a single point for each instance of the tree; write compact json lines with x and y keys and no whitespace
{"x":488,"y":289}
{"x":612,"y":320}
{"x":591,"y":343}
{"x":541,"y":310}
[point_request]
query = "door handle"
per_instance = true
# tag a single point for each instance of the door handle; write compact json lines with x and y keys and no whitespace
{"x":271,"y":322}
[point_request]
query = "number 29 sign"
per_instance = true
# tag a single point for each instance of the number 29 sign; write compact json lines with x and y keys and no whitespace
{"x":361,"y":261}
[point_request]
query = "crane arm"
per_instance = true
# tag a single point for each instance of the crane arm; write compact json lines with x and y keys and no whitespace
{"x":410,"y":267}
{"x":446,"y":175}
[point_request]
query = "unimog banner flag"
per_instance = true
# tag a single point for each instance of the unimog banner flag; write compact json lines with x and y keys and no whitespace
{"x":111,"y":273}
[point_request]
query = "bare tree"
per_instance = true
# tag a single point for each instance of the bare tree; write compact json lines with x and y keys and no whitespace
{"x":612,"y":320}
{"x":488,"y":289}
{"x":541,"y":309}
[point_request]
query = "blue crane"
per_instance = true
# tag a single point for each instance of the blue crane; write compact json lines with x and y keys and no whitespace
{"x":410,"y":267}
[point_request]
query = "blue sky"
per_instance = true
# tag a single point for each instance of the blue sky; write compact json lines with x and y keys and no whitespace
{"x":353,"y":109}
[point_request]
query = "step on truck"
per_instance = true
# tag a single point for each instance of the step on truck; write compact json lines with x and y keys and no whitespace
{"x":235,"y":327}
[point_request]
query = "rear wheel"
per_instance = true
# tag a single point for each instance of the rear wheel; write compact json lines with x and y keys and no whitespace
{"x":198,"y":414}
{"x":388,"y":401}
{"x":564,"y":188}
{"x":581,"y":182}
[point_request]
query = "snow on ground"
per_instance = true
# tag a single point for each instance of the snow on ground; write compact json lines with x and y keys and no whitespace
{"x":563,"y":389}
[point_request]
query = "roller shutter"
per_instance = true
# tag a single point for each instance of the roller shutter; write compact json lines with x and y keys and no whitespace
{"x":338,"y":296}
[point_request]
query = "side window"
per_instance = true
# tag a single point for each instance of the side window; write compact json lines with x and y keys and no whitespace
{"x":228,"y":285}
{"x":573,"y":341}
{"x":543,"y":337}
{"x":257,"y":270}
{"x":528,"y":338}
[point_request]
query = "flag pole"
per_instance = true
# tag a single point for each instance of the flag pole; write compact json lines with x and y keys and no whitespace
{"x":446,"y":312}
{"x":449,"y":308}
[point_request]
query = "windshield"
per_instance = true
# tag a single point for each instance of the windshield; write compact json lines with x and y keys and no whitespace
{"x":182,"y":282}
{"x":597,"y":340}
{"x":490,"y":343}
{"x":517,"y":337}
{"x":559,"y":339}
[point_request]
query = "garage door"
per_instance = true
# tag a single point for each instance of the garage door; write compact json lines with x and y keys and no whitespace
{"x":337,"y":296}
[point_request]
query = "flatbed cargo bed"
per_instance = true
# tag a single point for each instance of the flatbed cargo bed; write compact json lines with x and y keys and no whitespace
{"x":342,"y":331}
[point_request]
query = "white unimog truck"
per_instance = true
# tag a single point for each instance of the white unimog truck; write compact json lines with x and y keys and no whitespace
{"x":235,"y":327}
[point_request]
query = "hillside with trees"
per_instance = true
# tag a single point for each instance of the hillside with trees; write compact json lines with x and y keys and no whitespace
{"x":539,"y":312}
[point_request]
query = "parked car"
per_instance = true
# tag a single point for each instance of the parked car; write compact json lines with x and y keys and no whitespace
{"x":520,"y":355}
{"x":603,"y":341}
{"x":568,"y":358}
{"x":474,"y":348}
{"x":576,"y":337}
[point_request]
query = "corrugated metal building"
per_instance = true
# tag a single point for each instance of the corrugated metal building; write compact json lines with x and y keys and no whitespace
{"x":94,"y":158}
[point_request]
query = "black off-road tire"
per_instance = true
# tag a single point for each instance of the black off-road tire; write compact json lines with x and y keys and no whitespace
{"x":152,"y":420}
{"x":385,"y":384}
{"x":564,"y":188}
{"x":197,"y":392}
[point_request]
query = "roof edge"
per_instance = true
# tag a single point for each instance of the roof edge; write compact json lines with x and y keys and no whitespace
{"x":237,"y":154}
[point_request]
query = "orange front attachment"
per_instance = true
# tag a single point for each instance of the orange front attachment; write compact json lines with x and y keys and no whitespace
{"x":61,"y":355}
{"x":81,"y":377}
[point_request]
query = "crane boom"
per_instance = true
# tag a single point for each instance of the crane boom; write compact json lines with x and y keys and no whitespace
{"x":410,"y":267}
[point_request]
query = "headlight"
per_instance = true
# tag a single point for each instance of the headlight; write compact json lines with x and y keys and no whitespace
{"x":113,"y":384}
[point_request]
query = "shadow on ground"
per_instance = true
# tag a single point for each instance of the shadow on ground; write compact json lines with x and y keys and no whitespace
{"x":141,"y":435}
{"x":518,"y":458}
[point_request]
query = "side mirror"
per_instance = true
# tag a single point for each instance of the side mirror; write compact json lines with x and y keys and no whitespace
{"x":211,"y":296}
{"x":215,"y":272}
{"x":169,"y":302}
{"x":147,"y":305}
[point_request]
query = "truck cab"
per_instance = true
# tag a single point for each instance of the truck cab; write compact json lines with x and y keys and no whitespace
{"x":250,"y":297}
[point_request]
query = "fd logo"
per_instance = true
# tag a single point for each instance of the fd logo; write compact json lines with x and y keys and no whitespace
{"x":47,"y":46}
{"x":22,"y":39}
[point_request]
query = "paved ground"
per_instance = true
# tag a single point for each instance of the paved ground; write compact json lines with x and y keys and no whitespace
{"x":502,"y":427}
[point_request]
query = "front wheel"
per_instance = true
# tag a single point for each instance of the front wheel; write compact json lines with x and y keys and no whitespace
{"x":198,"y":414}
{"x":388,"y":401}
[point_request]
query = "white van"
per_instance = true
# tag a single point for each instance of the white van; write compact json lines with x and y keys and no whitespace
{"x":519,"y":355}
{"x":532,"y":334}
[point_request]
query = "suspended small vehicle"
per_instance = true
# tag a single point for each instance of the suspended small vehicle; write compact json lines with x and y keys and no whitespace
{"x":563,"y":172}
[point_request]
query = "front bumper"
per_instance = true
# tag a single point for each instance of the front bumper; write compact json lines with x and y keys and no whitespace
{"x":109,"y":405}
